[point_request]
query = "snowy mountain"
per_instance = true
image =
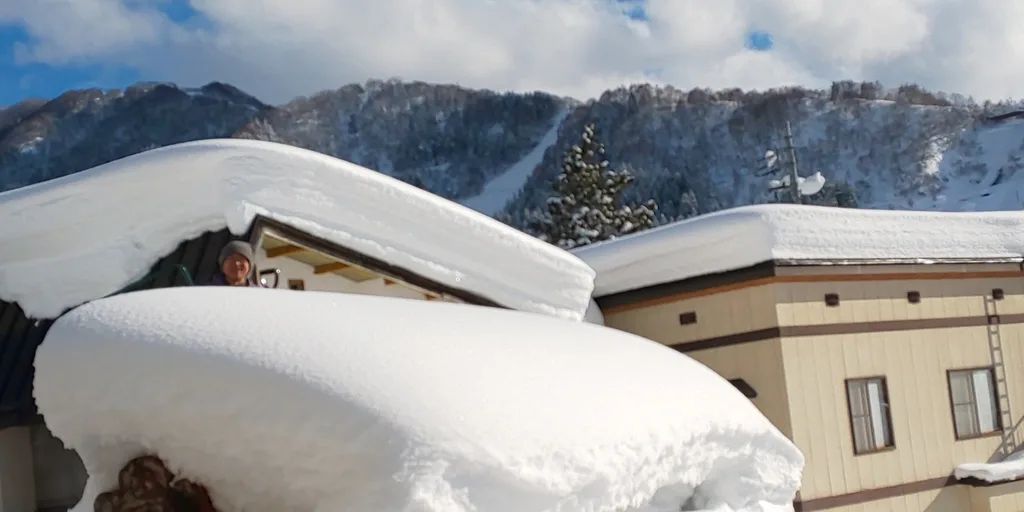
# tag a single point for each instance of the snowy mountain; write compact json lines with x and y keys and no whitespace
{"x":693,"y":151}
{"x":81,"y":129}
{"x":697,"y":152}
{"x":446,"y":139}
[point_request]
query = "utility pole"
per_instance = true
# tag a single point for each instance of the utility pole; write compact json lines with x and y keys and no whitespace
{"x":794,"y":186}
{"x":783,"y":162}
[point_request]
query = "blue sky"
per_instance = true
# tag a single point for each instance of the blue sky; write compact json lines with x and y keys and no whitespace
{"x":25,"y":80}
{"x":37,"y":80}
{"x":280,"y":49}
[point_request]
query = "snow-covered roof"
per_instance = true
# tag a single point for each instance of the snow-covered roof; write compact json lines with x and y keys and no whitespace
{"x":332,"y":404}
{"x":741,"y":237}
{"x":82,"y":237}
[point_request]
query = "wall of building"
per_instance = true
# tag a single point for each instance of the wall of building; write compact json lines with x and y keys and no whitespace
{"x":873,"y":331}
{"x":947,"y":291}
{"x":946,"y":330}
{"x":17,"y":486}
{"x":328,"y":282}
{"x":1008,"y":497}
{"x":718,"y":314}
{"x":760,"y":364}
{"x":741,"y":310}
{"x":914,"y":364}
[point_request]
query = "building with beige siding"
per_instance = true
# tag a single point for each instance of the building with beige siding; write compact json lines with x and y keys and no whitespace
{"x":889,"y":346}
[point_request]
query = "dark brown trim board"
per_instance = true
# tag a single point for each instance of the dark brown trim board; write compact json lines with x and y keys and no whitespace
{"x":261,"y":224}
{"x":796,"y":331}
{"x":763,"y":274}
{"x":692,"y":287}
{"x":854,"y":498}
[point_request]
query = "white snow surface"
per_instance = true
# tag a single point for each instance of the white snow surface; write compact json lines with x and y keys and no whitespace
{"x":331,"y":404}
{"x":500,"y":190}
{"x":1010,"y":468}
{"x":745,"y":236}
{"x":81,"y":237}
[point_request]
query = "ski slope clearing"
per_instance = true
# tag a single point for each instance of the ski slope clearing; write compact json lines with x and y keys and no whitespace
{"x":87,"y":235}
{"x":281,"y":400}
{"x":500,"y":190}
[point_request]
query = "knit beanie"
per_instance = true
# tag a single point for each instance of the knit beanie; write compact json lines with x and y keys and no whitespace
{"x":236,"y":247}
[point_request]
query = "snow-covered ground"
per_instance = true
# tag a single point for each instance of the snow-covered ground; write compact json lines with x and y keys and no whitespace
{"x":81,"y":237}
{"x":741,"y":237}
{"x":500,"y":190}
{"x":281,"y":400}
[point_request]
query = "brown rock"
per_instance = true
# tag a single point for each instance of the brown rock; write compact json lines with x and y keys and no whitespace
{"x":146,"y":485}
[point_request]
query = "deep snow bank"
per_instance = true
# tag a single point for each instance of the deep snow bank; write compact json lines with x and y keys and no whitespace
{"x":78,"y":238}
{"x":740,"y":237}
{"x":281,"y":400}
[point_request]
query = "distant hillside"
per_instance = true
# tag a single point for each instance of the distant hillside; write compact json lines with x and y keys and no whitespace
{"x":694,"y":151}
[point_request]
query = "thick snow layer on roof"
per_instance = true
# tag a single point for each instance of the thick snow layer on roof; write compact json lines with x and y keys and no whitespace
{"x":332,"y":403}
{"x":85,"y":236}
{"x":1010,"y":468}
{"x":741,"y":237}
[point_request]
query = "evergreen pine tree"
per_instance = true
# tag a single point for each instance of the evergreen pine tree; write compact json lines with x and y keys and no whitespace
{"x":586,"y":206}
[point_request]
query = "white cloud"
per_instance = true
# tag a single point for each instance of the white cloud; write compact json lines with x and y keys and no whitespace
{"x":278,"y":49}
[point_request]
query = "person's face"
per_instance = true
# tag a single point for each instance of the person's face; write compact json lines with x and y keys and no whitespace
{"x":236,"y":268}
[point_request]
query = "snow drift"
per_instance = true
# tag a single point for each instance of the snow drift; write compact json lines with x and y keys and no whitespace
{"x":281,"y":400}
{"x":746,"y":236}
{"x":87,"y":235}
{"x":1010,"y":468}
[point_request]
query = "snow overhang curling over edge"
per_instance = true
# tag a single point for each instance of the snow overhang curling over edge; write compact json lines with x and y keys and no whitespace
{"x":84,"y":236}
{"x":333,"y":405}
{"x":742,"y":237}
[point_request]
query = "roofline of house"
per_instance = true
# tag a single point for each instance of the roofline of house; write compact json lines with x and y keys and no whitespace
{"x":262,"y":223}
{"x":765,"y":272}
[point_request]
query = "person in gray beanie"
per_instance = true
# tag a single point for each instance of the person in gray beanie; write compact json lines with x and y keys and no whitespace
{"x":236,"y":262}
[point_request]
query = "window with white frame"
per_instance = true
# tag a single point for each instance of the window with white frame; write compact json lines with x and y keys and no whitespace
{"x":869,"y":414}
{"x":972,"y":394}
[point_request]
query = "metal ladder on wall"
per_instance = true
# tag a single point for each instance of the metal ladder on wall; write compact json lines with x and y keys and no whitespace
{"x":995,"y":347}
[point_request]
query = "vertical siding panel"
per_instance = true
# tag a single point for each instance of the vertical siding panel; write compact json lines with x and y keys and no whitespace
{"x":903,"y":399}
{"x":897,"y":296}
{"x":977,"y":292}
{"x":1015,"y":380}
{"x":843,"y":433}
{"x":943,"y":433}
{"x":886,"y":355}
{"x":809,"y":417}
{"x":833,"y":374}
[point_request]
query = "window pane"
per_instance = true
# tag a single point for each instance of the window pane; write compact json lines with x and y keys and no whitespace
{"x":984,"y":396}
{"x":960,"y":386}
{"x":879,"y":422}
{"x":963,"y":416}
{"x":862,"y":435}
{"x":858,"y":400}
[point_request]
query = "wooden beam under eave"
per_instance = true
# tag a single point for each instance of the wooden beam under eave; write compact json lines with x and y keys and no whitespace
{"x":330,"y":267}
{"x":283,"y":250}
{"x":388,"y":282}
